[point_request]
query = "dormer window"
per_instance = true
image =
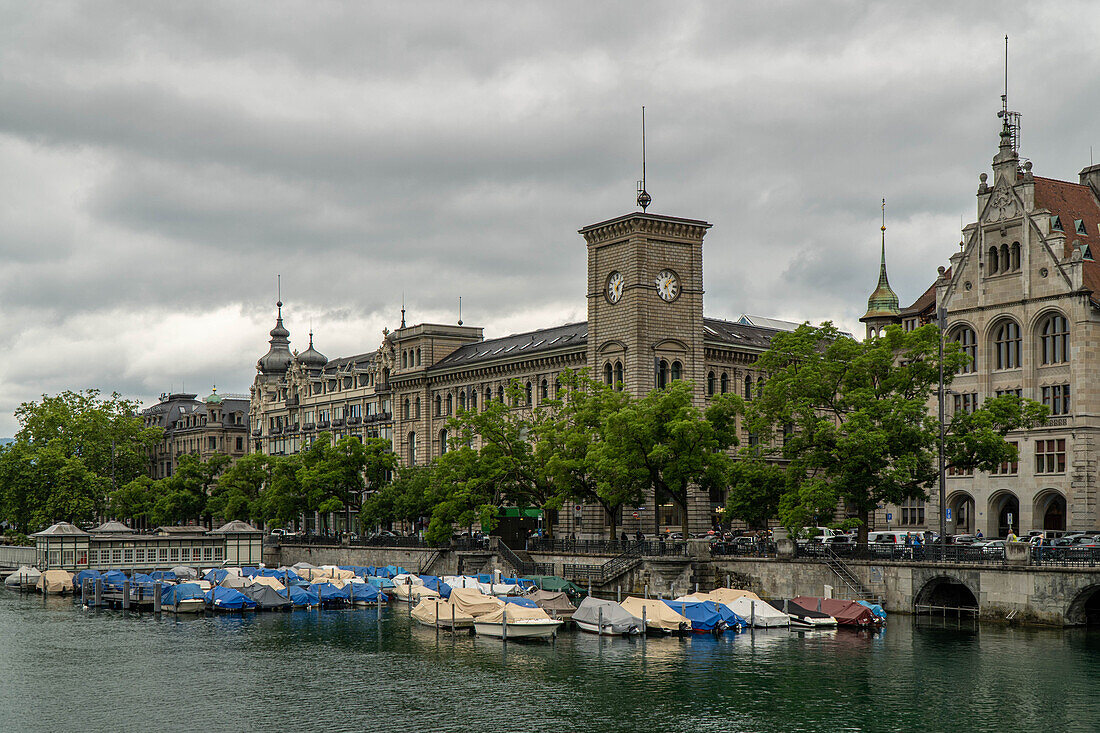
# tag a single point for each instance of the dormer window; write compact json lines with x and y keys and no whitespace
{"x":1056,"y":224}
{"x":1079,"y":227}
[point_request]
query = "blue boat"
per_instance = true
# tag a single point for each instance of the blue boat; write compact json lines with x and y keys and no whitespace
{"x":164,"y":576}
{"x":518,"y":601}
{"x":215,"y":576}
{"x":436,"y":583}
{"x":303,"y":597}
{"x":113,"y":579}
{"x":228,"y":599}
{"x":330,"y":595}
{"x":379,"y":582}
{"x":182,"y":598}
{"x":874,"y":608}
{"x":80,"y":577}
{"x":702,"y":614}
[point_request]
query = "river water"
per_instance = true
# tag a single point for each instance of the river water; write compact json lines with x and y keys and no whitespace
{"x":62,"y":667}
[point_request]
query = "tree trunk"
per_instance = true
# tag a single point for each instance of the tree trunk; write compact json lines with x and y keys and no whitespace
{"x":861,"y":533}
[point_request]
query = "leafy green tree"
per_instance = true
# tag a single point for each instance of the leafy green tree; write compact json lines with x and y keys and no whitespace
{"x":461,"y":494}
{"x":662,"y":444}
{"x":133,"y":503}
{"x":23,"y":495}
{"x":236,"y":493}
{"x":186,"y":491}
{"x":860,"y":426}
{"x":331,"y":476}
{"x":755,"y":488}
{"x":407,"y":498}
{"x":283,"y":501}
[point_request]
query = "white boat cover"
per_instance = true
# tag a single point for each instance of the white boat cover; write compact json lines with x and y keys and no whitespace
{"x":758,"y":613}
{"x":425,"y":612}
{"x":185,"y":573}
{"x":460,"y":581}
{"x":615,"y":619}
{"x":55,"y":581}
{"x":235,"y":582}
{"x":26,"y":572}
{"x":407,"y":579}
{"x":515,"y":613}
{"x":474,"y":602}
{"x":658,"y":615}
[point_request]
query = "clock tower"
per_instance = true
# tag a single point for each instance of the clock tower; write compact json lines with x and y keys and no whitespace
{"x":645,"y":301}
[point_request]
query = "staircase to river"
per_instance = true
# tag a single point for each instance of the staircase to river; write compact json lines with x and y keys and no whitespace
{"x":851,"y":584}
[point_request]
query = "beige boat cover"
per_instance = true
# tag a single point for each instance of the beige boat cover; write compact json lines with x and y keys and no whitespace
{"x":425,"y":613}
{"x":338,"y":574}
{"x":234,"y":581}
{"x":515,"y":613}
{"x":416,"y":591}
{"x":474,"y":602}
{"x":269,"y":582}
{"x":554,"y":602}
{"x":729,"y":595}
{"x":657,"y":614}
{"x":55,"y":581}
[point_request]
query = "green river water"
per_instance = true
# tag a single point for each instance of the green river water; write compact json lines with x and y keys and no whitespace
{"x":65,"y":668}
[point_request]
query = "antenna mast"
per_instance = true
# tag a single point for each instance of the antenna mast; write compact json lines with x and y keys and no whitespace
{"x":460,"y":310}
{"x":1011,"y":119}
{"x":644,"y":199}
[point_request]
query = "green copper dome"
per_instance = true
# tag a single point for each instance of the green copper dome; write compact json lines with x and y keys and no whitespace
{"x":884,"y":301}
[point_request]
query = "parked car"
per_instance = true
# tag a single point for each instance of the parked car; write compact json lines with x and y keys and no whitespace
{"x":963,"y":539}
{"x":991,"y":548}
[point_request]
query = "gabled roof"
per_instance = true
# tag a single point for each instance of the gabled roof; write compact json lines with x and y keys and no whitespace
{"x":568,"y":336}
{"x":1071,"y":202}
{"x":61,"y":529}
{"x":735,"y":333}
{"x":112,"y":527}
{"x":235,"y":527}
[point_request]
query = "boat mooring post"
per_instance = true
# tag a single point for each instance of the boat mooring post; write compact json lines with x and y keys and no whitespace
{"x":618,"y":594}
{"x":728,"y":581}
{"x":671,"y":592}
{"x":599,"y":629}
{"x":351,"y":594}
{"x":787,"y":606}
{"x":644,"y":627}
{"x":98,"y":588}
{"x":696,"y":587}
{"x":156,"y":597}
{"x":84,"y":592}
{"x":504,"y":624}
{"x":819,"y":605}
{"x":752,"y":613}
{"x":590,"y":587}
{"x":647,"y":591}
{"x":452,"y":621}
{"x":437,"y":618}
{"x":126,"y":595}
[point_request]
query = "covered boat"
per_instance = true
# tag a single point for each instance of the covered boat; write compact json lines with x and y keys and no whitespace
{"x":54,"y":581}
{"x":269,"y":582}
{"x":283,"y":575}
{"x":449,"y":616}
{"x":703,"y":615}
{"x":228,"y":599}
{"x":598,"y":616}
{"x":266,"y":597}
{"x":806,"y":617}
{"x":555,"y":583}
{"x":26,"y":575}
{"x":436,"y":583}
{"x":658,"y":615}
{"x":184,"y":572}
{"x":405,"y":591}
{"x":875,"y":609}
{"x":216,"y":575}
{"x":365,"y":594}
{"x":113,"y":579}
{"x":234,"y":581}
{"x":330,"y":595}
{"x":303,"y":597}
{"x":182,"y":598}
{"x":164,"y":576}
{"x":846,"y":613}
{"x":520,"y":601}
{"x":90,"y":575}
{"x":730,"y":618}
{"x":462,"y":581}
{"x":758,"y":613}
{"x":474,"y":602}
{"x":556,"y":603}
{"x":729,"y":595}
{"x":511,"y":621}
{"x":379,"y":582}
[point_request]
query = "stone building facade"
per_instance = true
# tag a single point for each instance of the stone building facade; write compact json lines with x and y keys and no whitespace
{"x":645,"y":328}
{"x":216,"y":424}
{"x":1022,"y":295}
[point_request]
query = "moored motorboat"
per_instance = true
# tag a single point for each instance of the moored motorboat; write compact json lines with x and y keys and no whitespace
{"x":517,"y":622}
{"x":846,"y":613}
{"x":659,"y":617}
{"x":808,"y":618}
{"x":435,"y":612}
{"x":182,"y":598}
{"x":597,"y":616}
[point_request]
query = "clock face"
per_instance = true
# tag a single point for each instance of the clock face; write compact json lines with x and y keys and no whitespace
{"x":668,"y":285}
{"x":615,"y":284}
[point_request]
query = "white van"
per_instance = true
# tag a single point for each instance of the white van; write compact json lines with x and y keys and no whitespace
{"x":815,"y":534}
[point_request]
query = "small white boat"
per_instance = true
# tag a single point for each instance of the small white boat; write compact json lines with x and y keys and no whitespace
{"x":517,"y":622}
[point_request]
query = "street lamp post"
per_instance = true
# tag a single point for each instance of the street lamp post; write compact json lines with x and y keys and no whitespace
{"x":941,"y":318}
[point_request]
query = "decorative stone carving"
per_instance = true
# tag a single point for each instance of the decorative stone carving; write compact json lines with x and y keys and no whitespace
{"x":1002,"y":205}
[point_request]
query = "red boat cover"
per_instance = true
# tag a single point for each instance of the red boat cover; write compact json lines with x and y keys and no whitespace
{"x":846,"y":613}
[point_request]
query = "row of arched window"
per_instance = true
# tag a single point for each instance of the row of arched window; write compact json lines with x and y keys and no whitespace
{"x":1051,"y":340}
{"x":668,"y":373}
{"x":723,"y":383}
{"x":1000,"y":260}
{"x":467,"y":398}
{"x":410,"y":358}
{"x":613,"y":374}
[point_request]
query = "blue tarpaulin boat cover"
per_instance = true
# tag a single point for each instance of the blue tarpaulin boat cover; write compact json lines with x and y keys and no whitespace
{"x":142,"y":579}
{"x":216,"y":575}
{"x":379,"y":582}
{"x":228,"y":599}
{"x":364,"y":592}
{"x":288,"y":574}
{"x":391,"y":570}
{"x":875,"y":608}
{"x":173,"y":594}
{"x":114,"y":578}
{"x":164,"y":575}
{"x":79,"y":578}
{"x":702,"y":615}
{"x":302,"y":596}
{"x":516,"y":601}
{"x":436,"y":583}
{"x":250,"y":572}
{"x":329,"y":593}
{"x":731,"y":619}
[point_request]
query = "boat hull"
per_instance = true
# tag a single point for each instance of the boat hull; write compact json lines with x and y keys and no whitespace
{"x":193,"y":605}
{"x":594,"y":629}
{"x":519,"y":629}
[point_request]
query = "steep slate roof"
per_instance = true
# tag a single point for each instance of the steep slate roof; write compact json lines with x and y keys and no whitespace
{"x":738,"y":334}
{"x":361,"y":361}
{"x":1070,"y":202}
{"x":570,"y":335}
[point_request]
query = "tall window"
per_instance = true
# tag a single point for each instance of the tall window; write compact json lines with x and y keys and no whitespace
{"x":1050,"y":456}
{"x":608,"y":375}
{"x":442,"y":441}
{"x":677,"y":371}
{"x":966,"y":402}
{"x":544,"y":390}
{"x":748,"y":386}
{"x":1007,"y":341}
{"x":450,"y":403}
{"x":912,"y":512}
{"x":488,"y":395}
{"x":404,"y":360}
{"x":1015,"y":255}
{"x":725,"y":383}
{"x":710,"y":384}
{"x":438,"y":405}
{"x":405,"y":412}
{"x":968,"y":340}
{"x":991,"y":261}
{"x":1006,"y":265}
{"x":462,"y":400}
{"x":662,"y":374}
{"x":418,"y":356}
{"x":417,"y":415}
{"x":473,"y":399}
{"x":527,"y":393}
{"x":1056,"y":397}
{"x":412,"y":449}
{"x":1054,"y":339}
{"x":618,"y":375}
{"x":500,"y":393}
{"x":1008,"y":468}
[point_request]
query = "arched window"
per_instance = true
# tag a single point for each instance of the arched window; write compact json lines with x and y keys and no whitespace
{"x":710,"y":384}
{"x":1015,"y":255}
{"x":450,"y":403}
{"x":991,"y":261}
{"x":545,"y":391}
{"x":462,"y":400}
{"x":966,"y":338}
{"x":500,"y":393}
{"x":442,"y":441}
{"x":417,"y":408}
{"x":412,"y":449}
{"x":405,"y":412}
{"x":1054,"y":339}
{"x":438,"y":406}
{"x":1006,"y":264}
{"x":618,"y":375}
{"x":527,"y":392}
{"x":418,"y":356}
{"x":404,"y":360}
{"x":662,"y":374}
{"x":725,"y":383}
{"x":557,"y":387}
{"x":1006,"y":338}
{"x":748,"y":387}
{"x":608,"y":376}
{"x":473,"y":399}
{"x":677,"y":371}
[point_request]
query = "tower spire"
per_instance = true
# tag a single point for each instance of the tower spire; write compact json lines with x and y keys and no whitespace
{"x":644,"y":199}
{"x":883,"y":302}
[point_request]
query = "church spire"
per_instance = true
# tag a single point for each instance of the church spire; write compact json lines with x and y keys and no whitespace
{"x":883,"y":302}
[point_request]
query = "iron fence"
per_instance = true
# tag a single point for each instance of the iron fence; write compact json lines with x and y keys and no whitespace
{"x":743,"y":549}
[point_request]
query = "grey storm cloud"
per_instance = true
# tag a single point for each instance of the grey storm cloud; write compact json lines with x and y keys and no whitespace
{"x":164,"y":162}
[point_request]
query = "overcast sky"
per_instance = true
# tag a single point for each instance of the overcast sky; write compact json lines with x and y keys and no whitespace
{"x":163,"y":162}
